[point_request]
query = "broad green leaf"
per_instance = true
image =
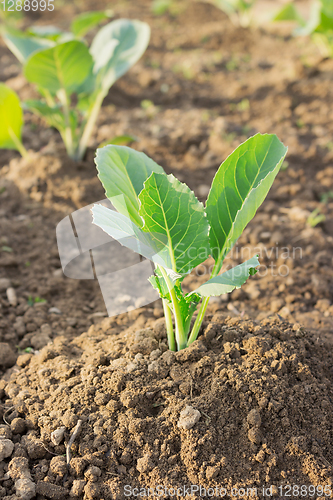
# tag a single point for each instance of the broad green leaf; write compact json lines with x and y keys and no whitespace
{"x":289,"y":13}
{"x":54,"y":116}
{"x":173,"y":215}
{"x":50,"y":32}
{"x":119,"y":140}
{"x":116,"y":47}
{"x":64,"y":66}
{"x":127,"y":233}
{"x":239,"y":188}
{"x":122,"y":171}
{"x":11,"y":118}
{"x":228,"y":281}
{"x":327,"y":8}
{"x":87,"y":21}
{"x":23,"y":46}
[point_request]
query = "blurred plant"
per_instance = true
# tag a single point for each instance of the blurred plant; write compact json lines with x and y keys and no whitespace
{"x":74,"y":80}
{"x":315,"y":218}
{"x":319,"y":25}
{"x":160,"y":218}
{"x":160,"y":7}
{"x":11,"y":120}
{"x":9,"y":15}
{"x":238,"y":11}
{"x":326,"y":197}
{"x":35,"y":300}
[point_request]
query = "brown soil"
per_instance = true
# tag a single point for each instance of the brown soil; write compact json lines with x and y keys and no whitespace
{"x":212,"y":86}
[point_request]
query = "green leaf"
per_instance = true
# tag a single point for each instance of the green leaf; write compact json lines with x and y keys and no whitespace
{"x":119,"y":140}
{"x":64,"y":66}
{"x":327,"y":8}
{"x":116,"y":47}
{"x":87,"y":21}
{"x":11,"y":118}
{"x":53,"y":115}
{"x":187,"y":304}
{"x":173,"y":215}
{"x":128,"y":234}
{"x":122,"y":172}
{"x":228,"y":281}
{"x":289,"y":13}
{"x":50,"y":32}
{"x":239,"y":188}
{"x":24,"y":46}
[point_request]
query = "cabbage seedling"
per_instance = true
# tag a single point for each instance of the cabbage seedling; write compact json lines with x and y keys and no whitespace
{"x":73,"y":80}
{"x":319,"y":26}
{"x":160,"y":218}
{"x":11,"y":120}
{"x":238,"y":11}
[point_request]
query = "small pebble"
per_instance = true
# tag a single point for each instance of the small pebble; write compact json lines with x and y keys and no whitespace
{"x":11,"y":296}
{"x":54,"y":310}
{"x":188,"y":418}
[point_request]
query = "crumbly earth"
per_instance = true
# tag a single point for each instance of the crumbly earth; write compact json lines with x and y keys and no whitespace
{"x":262,"y":392}
{"x":265,"y":404}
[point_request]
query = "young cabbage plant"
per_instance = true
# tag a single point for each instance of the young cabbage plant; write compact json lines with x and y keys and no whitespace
{"x":238,"y":11}
{"x":73,"y":79}
{"x":160,"y":218}
{"x":24,"y":43}
{"x":319,"y":26}
{"x":11,"y":120}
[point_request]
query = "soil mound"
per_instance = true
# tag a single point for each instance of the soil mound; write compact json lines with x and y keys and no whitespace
{"x":248,"y":405}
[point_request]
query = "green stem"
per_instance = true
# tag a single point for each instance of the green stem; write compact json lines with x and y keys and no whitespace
{"x":180,"y":332}
{"x":169,"y":326}
{"x":18,"y":143}
{"x":90,"y":125}
{"x":198,"y":321}
{"x":67,"y":136}
{"x":204,"y":303}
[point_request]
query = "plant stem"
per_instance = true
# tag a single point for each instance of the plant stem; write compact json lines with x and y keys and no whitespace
{"x":198,"y":321}
{"x":169,"y":326}
{"x":180,"y":332}
{"x":89,"y":126}
{"x":204,"y":303}
{"x":18,"y":143}
{"x":67,"y":136}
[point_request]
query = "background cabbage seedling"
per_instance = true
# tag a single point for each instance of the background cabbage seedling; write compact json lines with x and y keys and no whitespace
{"x":11,"y":120}
{"x":160,"y":218}
{"x":73,"y":80}
{"x":238,"y":11}
{"x":319,"y":26}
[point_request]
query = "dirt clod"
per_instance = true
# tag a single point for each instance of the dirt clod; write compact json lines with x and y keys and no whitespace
{"x":7,"y":355}
{"x":6,"y":448}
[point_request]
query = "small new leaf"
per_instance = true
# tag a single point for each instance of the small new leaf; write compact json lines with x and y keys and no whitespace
{"x":228,"y":281}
